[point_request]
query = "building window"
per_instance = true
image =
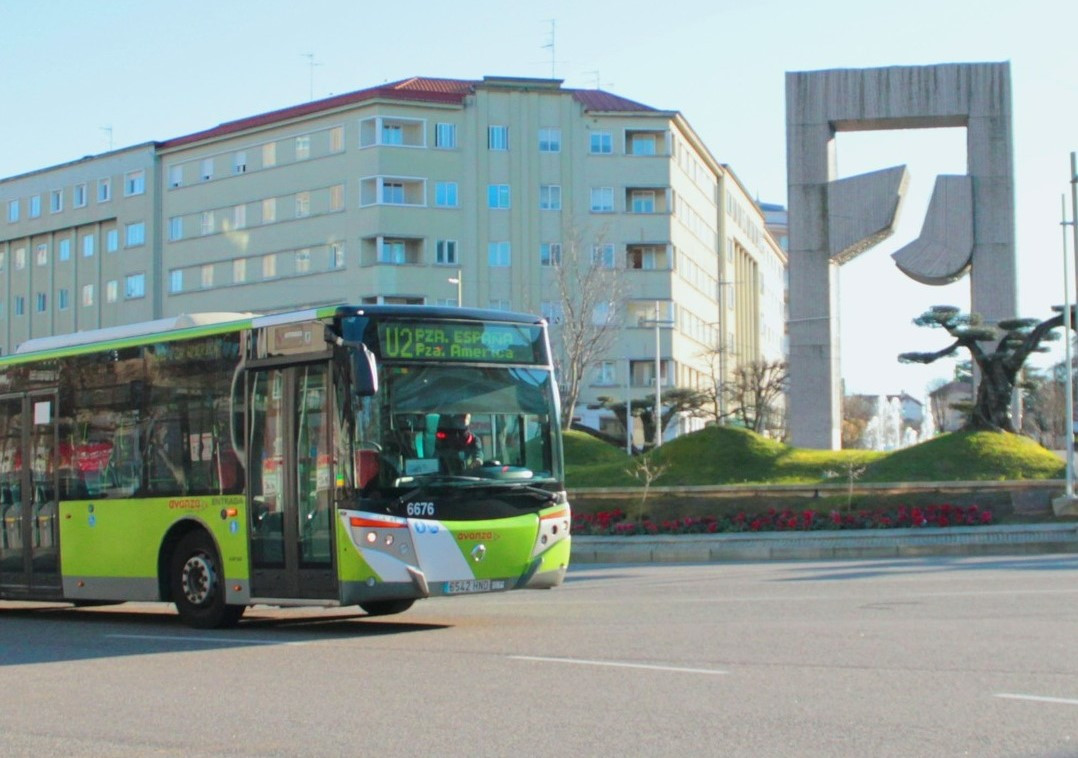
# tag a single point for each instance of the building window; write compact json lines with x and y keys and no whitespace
{"x":112,"y":291}
{"x":336,"y":139}
{"x":445,"y":135}
{"x":239,"y":162}
{"x":392,"y":134}
{"x":35,"y":206}
{"x":336,"y":255}
{"x":269,"y":155}
{"x":269,"y":266}
{"x":134,"y":286}
{"x":499,"y":254}
{"x":602,"y":199}
{"x":20,"y":305}
{"x":336,"y":197}
{"x":175,"y":176}
{"x":551,"y":310}
{"x":303,"y":204}
{"x":604,"y":372}
{"x":19,"y":258}
{"x":134,"y":183}
{"x":392,"y":251}
{"x":239,"y":216}
{"x":104,"y":190}
{"x":303,"y":147}
{"x":112,"y":240}
{"x":239,"y":270}
{"x":175,"y":281}
{"x":642,"y":201}
{"x":41,"y":254}
{"x":63,"y":299}
{"x":63,"y":252}
{"x":446,"y":252}
{"x":602,"y":256}
{"x":207,"y":223}
{"x":393,"y":193}
{"x":269,"y":210}
{"x":303,"y":260}
{"x":499,"y":304}
{"x":550,"y":197}
{"x":88,"y":247}
{"x":79,"y":196}
{"x":12,"y":211}
{"x":498,"y":196}
{"x":135,"y":234}
{"x":205,"y":276}
{"x":642,"y":144}
{"x":206,"y":169}
{"x":550,"y":140}
{"x":56,"y":201}
{"x":550,"y":254}
{"x":498,"y":137}
{"x":601,"y":143}
{"x":445,"y":194}
{"x":87,"y":295}
{"x":175,"y":228}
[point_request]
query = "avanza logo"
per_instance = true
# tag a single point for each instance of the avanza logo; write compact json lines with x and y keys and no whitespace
{"x":468,"y":536}
{"x":186,"y":504}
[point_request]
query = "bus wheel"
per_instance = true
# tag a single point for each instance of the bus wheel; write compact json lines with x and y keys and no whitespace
{"x":197,"y":585}
{"x":386,"y":607}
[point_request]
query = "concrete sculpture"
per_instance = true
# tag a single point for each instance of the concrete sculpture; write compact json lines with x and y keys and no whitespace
{"x":969,"y":225}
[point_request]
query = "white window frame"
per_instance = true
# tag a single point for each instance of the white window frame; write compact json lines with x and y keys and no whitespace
{"x":550,"y":197}
{"x":445,"y":252}
{"x":499,"y":197}
{"x":104,"y":189}
{"x":135,"y":234}
{"x":80,"y":195}
{"x":446,"y":195}
{"x":134,"y":286}
{"x":601,"y":142}
{"x":550,"y":254}
{"x":56,"y":201}
{"x":498,"y":137}
{"x":602,"y":200}
{"x":135,"y":183}
{"x":550,"y":139}
{"x":499,"y":254}
{"x":445,"y":136}
{"x":175,"y":228}
{"x":13,"y":207}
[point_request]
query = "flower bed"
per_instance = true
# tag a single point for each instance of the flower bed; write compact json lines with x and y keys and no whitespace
{"x":616,"y":522}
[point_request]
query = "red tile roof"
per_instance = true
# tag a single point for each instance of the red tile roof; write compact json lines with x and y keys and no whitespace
{"x":416,"y":88}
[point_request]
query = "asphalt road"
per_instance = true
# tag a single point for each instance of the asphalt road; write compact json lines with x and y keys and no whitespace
{"x":912,"y":657}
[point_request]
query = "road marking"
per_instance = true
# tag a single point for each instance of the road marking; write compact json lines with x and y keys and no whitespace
{"x":617,"y":664}
{"x":1038,"y":698}
{"x":203,"y":640}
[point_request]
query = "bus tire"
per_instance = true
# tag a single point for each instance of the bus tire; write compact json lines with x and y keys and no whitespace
{"x":386,"y":607}
{"x":197,"y":584}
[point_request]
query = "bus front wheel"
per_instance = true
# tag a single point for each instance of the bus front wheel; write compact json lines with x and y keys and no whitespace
{"x":386,"y":607}
{"x":197,"y":584}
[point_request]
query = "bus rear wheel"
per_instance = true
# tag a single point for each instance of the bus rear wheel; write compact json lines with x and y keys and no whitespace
{"x":386,"y":607}
{"x":197,"y":584}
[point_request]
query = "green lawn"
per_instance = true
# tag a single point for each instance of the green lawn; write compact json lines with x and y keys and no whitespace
{"x":727,"y":455}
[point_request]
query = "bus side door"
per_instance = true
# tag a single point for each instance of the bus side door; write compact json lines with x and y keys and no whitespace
{"x":290,"y":482}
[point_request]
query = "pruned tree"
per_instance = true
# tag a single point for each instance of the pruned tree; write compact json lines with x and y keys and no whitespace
{"x":676,"y":401}
{"x":591,"y":296}
{"x":717,"y":357}
{"x":856,"y":412}
{"x":754,"y":392}
{"x":999,"y":352}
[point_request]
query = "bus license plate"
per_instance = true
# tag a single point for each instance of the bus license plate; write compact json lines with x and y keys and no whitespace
{"x":464,"y":586}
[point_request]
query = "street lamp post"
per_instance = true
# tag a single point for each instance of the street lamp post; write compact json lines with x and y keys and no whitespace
{"x":457,"y":281}
{"x":1069,"y":369}
{"x":657,"y":322}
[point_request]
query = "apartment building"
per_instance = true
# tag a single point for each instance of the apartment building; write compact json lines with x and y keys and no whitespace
{"x":419,"y":191}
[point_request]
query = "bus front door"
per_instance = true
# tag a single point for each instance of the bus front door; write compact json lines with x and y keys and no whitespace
{"x":29,"y":464}
{"x":291,"y":483}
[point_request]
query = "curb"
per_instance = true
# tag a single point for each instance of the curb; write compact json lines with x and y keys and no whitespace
{"x":1018,"y":539}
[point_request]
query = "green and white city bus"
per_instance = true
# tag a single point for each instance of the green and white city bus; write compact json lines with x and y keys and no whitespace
{"x":345,"y":455}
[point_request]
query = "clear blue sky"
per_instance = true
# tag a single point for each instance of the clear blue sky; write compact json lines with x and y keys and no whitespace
{"x":152,"y":71}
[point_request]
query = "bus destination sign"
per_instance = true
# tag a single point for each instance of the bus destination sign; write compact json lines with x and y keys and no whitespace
{"x":460,"y":341}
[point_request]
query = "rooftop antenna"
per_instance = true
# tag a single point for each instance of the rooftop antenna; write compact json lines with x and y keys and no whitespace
{"x":108,"y":130}
{"x":598,"y":84}
{"x":311,"y":63}
{"x":550,"y":45}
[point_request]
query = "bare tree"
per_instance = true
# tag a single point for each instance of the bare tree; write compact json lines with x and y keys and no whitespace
{"x":754,"y":393}
{"x":591,"y":295}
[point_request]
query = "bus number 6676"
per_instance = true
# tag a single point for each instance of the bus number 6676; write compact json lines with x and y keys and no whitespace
{"x":421,"y":508}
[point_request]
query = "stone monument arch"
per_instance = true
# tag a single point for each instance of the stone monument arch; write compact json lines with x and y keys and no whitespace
{"x":968,"y":228}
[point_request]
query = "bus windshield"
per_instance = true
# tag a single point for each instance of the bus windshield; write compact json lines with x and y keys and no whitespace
{"x":460,"y":423}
